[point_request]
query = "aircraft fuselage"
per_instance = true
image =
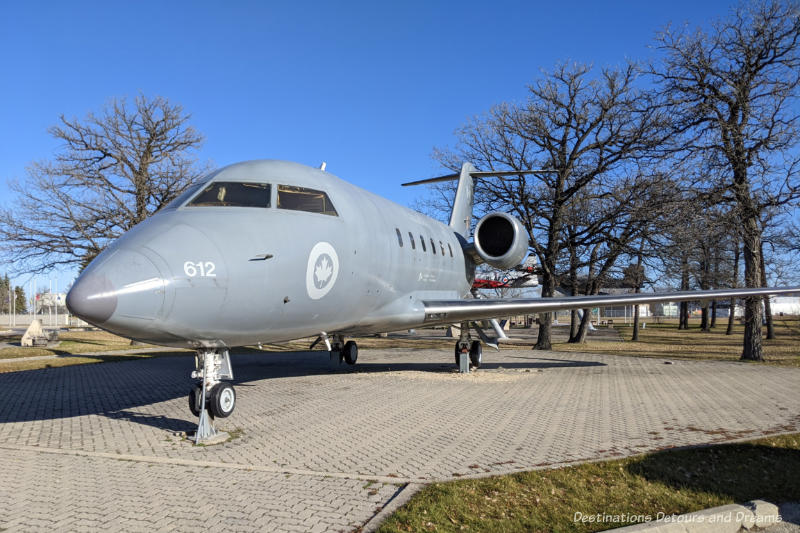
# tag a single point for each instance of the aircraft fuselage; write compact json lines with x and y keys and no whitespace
{"x":227,"y":275}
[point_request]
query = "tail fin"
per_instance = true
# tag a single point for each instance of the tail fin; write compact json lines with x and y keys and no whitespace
{"x":461,"y":216}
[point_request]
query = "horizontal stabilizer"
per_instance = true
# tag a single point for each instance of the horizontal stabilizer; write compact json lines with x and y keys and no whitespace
{"x":477,"y":174}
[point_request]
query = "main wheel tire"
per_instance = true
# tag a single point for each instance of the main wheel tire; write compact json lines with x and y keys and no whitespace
{"x":194,"y":400}
{"x":223,"y":400}
{"x":350,"y":352}
{"x":475,"y":354}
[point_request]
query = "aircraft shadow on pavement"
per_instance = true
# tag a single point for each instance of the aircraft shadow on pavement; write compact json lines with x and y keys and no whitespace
{"x":131,"y":389}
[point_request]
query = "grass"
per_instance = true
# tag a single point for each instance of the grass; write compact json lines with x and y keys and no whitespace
{"x":72,"y":343}
{"x":665,"y":340}
{"x":657,"y":340}
{"x":669,"y":482}
{"x":18,"y":366}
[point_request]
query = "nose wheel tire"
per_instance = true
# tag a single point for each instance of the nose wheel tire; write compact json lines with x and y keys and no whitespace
{"x":350,"y":352}
{"x":475,"y":354}
{"x":222,"y":401}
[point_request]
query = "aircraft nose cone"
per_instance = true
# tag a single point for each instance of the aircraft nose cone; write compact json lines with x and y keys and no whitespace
{"x":121,"y":292}
{"x":92,"y":298}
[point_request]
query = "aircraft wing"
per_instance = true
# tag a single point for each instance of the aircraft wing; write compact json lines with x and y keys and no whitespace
{"x":450,"y":311}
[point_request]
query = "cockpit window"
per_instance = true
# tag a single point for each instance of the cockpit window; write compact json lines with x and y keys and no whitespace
{"x":182,"y":197}
{"x":233,"y":194}
{"x":302,"y":199}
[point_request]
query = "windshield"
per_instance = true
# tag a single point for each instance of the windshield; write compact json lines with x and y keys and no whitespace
{"x":233,"y":194}
{"x":303,"y":199}
{"x":182,"y":197}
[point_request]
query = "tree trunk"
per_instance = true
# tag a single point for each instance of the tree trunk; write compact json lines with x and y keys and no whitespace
{"x":716,"y":285}
{"x":683,"y":319}
{"x":574,"y":325}
{"x":731,"y":317}
{"x":752,"y":349}
{"x":543,"y":341}
{"x":583,"y":330}
{"x":637,"y":290}
{"x":704,"y":273}
{"x":767,"y":302}
{"x":574,"y":319}
{"x":732,"y":313}
{"x":704,"y":318}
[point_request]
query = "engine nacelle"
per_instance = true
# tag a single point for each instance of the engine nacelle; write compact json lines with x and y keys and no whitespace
{"x":501,"y":240}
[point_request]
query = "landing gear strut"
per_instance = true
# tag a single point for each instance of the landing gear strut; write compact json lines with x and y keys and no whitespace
{"x":467,"y":346}
{"x":338,"y":349}
{"x":211,"y":398}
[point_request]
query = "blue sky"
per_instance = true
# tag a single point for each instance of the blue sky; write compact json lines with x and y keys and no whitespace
{"x":369,"y":87}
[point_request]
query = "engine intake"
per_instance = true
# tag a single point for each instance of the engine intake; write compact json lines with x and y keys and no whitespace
{"x":501,"y":240}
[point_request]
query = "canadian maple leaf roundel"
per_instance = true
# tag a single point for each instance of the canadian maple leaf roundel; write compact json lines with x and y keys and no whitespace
{"x":322,"y":271}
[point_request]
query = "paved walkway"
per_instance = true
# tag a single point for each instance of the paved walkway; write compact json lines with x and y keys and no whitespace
{"x":322,"y":449}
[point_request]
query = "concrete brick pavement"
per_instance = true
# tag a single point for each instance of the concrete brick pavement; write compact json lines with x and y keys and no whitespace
{"x":399,"y":416}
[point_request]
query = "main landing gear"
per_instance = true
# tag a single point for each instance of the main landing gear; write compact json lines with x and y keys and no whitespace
{"x":211,"y":397}
{"x":467,"y":346}
{"x":338,"y":349}
{"x":475,"y":351}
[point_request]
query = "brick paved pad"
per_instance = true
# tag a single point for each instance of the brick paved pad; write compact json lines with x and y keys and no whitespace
{"x":47,"y":492}
{"x":399,"y":415}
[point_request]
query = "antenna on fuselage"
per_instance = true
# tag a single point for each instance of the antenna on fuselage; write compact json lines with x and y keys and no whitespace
{"x":323,"y":165}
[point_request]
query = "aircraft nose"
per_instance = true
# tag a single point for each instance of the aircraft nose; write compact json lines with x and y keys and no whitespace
{"x":92,"y":298}
{"x":124,"y":288}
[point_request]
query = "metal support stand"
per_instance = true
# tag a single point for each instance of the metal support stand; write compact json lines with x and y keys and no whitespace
{"x":205,"y":428}
{"x":463,"y":363}
{"x":464,"y":342}
{"x":335,"y":349}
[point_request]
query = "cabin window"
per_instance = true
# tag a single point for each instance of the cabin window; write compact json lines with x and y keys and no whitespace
{"x":441,"y":247}
{"x":422,"y":242}
{"x":450,"y":248}
{"x":233,"y":194}
{"x":399,"y":237}
{"x":411,"y":238}
{"x":433,"y":247}
{"x":303,"y":199}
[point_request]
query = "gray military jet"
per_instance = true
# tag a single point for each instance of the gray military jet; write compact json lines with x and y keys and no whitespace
{"x":269,"y":251}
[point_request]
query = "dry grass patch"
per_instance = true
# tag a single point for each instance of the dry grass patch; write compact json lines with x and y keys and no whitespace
{"x":670,"y":482}
{"x":72,"y":342}
{"x":665,"y":340}
{"x":21,"y":364}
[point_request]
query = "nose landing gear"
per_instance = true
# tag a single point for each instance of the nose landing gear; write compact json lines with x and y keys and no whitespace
{"x":211,"y":398}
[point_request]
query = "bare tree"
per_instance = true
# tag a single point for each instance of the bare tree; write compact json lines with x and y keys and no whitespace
{"x":616,"y":221}
{"x":733,"y":91}
{"x":585,"y":129}
{"x":112,"y":171}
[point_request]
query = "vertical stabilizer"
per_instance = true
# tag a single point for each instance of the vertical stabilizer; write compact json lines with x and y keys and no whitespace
{"x":461,"y":217}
